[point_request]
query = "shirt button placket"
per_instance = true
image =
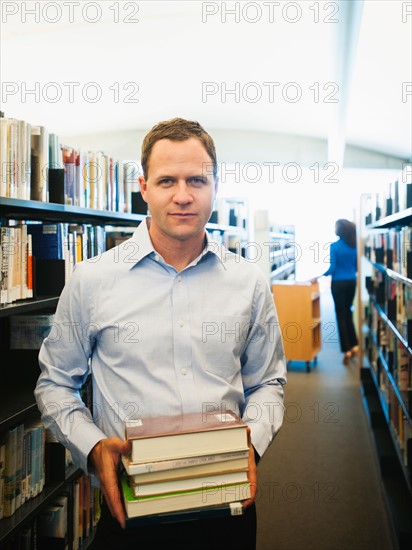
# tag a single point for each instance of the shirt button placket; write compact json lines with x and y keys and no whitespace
{"x":182,"y":342}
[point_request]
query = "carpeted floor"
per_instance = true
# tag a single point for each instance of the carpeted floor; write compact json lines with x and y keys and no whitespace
{"x":319,"y":483}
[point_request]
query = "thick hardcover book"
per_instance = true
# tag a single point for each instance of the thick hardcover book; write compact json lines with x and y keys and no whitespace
{"x":216,"y":511}
{"x":48,"y":240}
{"x":194,"y":466}
{"x":189,"y":484}
{"x":172,"y":502}
{"x":192,"y":434}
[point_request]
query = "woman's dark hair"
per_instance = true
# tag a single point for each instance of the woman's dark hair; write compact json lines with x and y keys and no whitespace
{"x":346,"y":230}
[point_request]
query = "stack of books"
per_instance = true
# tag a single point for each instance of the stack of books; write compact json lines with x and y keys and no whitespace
{"x":197,"y":461}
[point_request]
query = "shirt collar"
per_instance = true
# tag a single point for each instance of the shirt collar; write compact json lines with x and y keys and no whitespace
{"x":142,"y":246}
{"x":141,"y":243}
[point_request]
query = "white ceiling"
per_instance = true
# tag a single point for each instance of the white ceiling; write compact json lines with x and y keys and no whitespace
{"x":170,"y":53}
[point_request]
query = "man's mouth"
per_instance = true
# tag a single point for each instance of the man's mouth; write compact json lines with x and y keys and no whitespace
{"x":182,"y":214}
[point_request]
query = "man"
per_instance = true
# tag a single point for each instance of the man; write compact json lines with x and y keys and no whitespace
{"x":169,"y":323}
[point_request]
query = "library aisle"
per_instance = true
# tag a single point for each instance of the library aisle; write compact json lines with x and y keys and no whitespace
{"x":319,"y":483}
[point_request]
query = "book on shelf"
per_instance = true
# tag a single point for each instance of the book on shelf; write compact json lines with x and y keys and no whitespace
{"x":34,"y":165}
{"x":2,"y":467}
{"x":39,"y":164}
{"x":9,"y":472}
{"x":396,"y":197}
{"x":53,"y":519}
{"x":29,"y":331}
{"x":171,"y":502}
{"x":22,"y":464}
{"x":192,"y":434}
{"x":48,"y":240}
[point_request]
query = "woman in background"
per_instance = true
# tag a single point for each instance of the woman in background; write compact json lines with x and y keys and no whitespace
{"x":343,"y":268}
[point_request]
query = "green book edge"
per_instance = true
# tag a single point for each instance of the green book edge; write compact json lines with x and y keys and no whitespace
{"x":130,"y":496}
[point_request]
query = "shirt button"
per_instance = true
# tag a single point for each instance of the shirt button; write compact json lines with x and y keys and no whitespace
{"x":183,"y":371}
{"x":179,"y":279}
{"x":181,"y":323}
{"x":156,"y":257}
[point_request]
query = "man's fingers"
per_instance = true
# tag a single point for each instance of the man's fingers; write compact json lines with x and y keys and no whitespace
{"x":115,"y":505}
{"x":106,"y":456}
{"x":252,"y":474}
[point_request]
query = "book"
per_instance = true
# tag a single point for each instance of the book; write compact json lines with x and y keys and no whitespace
{"x":39,"y":163}
{"x":48,"y":240}
{"x":186,"y":467}
{"x":3,"y":158}
{"x":29,"y":331}
{"x":2,"y":467}
{"x":189,"y":484}
{"x":216,"y":511}
{"x":19,"y":465}
{"x":192,"y":434}
{"x":9,"y":473}
{"x":172,"y":502}
{"x":5,"y":264}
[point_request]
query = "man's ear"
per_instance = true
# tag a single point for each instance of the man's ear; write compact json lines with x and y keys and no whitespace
{"x":143,"y":187}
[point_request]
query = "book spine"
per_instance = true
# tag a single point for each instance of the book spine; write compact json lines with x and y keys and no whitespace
{"x":10,"y":277}
{"x":19,"y":465}
{"x":2,"y":467}
{"x":79,"y":194}
{"x":5,"y":262}
{"x":69,"y":160}
{"x":10,"y":473}
{"x":23,"y":255}
{"x":29,"y":266}
{"x":146,"y":467}
{"x":3,"y":157}
{"x":40,"y":163}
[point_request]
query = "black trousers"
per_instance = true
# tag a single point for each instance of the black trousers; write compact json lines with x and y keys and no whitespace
{"x":343,"y":293}
{"x":212,"y":534}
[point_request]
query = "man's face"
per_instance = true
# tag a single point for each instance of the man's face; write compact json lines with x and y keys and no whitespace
{"x":179,"y":189}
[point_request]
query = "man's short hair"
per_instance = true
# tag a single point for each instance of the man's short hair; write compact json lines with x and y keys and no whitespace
{"x":177,"y":129}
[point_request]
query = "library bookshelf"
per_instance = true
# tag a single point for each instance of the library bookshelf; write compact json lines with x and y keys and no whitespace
{"x":20,"y":366}
{"x":385,"y":278}
{"x":282,"y":252}
{"x":298,"y":307}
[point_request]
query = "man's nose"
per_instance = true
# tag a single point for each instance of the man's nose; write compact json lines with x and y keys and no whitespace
{"x":182,"y":193}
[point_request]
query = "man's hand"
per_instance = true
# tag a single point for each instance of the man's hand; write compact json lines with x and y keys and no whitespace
{"x":105,"y":457}
{"x":251,"y":472}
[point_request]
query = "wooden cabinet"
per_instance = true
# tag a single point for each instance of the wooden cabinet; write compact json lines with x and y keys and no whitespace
{"x":298,"y":307}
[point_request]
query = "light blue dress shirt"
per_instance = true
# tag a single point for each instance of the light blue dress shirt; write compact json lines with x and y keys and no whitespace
{"x":161,"y":342}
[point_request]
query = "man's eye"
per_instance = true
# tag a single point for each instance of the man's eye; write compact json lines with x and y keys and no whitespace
{"x":166,"y":182}
{"x":197,"y":182}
